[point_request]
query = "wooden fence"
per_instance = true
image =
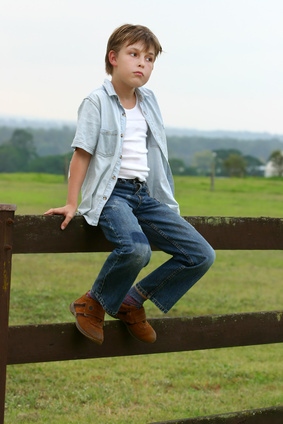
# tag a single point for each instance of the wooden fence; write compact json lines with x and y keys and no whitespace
{"x":59,"y":342}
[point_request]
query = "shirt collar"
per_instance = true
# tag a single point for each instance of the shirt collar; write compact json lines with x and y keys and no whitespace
{"x":141,"y":93}
{"x":109,"y":88}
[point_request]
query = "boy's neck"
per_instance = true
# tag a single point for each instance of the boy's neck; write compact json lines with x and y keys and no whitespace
{"x":126,"y":94}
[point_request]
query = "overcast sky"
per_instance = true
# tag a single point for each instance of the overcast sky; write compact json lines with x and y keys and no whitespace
{"x":222,"y":67}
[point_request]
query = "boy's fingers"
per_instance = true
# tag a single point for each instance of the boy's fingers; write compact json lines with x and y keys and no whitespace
{"x":58,"y":211}
{"x":49,"y":212}
{"x":52,"y":212}
{"x":65,"y":222}
{"x":61,"y":211}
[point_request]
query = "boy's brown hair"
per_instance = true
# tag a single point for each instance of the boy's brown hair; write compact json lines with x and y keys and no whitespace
{"x":130,"y":34}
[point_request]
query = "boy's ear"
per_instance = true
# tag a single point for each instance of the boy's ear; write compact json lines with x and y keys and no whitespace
{"x":112,"y":56}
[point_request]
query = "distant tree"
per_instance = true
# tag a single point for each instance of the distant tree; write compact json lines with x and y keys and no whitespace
{"x":22,"y":140}
{"x":178,"y":166}
{"x":203,"y":162}
{"x":223,"y":154}
{"x":235,"y":165}
{"x":16,"y":153}
{"x":276,"y":159}
{"x":50,"y":164}
{"x":254,"y":166}
{"x":10,"y":159}
{"x":191,"y":170}
{"x":252,"y":161}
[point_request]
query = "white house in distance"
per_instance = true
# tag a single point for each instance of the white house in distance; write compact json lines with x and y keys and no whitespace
{"x":270,"y":169}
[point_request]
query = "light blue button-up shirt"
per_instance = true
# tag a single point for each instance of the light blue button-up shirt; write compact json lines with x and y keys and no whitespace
{"x":100,"y":131}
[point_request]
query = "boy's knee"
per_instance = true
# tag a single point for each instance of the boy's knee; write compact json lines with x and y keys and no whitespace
{"x":138,"y":254}
{"x":142,"y":253}
{"x":205,"y":257}
{"x":210,"y":257}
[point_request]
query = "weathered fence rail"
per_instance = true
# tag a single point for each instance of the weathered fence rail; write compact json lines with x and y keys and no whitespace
{"x":59,"y":342}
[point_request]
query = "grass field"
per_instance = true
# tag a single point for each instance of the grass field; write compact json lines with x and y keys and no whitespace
{"x":141,"y":390}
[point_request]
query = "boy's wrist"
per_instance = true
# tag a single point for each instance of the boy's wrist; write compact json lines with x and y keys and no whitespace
{"x":72,"y":205}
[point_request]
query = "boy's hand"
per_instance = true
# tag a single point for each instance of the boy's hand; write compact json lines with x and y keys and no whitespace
{"x":78,"y":169}
{"x":68,"y":211}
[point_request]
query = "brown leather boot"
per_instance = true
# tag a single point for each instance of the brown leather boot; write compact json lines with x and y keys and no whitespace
{"x":89,"y":318}
{"x":136,"y":323}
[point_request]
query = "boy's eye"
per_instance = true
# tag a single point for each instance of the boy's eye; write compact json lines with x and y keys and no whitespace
{"x":149,"y":59}
{"x":133,"y":54}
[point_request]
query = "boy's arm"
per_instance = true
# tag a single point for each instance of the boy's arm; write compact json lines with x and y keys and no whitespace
{"x":78,"y":168}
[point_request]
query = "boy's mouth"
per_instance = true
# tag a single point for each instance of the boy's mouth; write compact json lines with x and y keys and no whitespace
{"x":139,"y":73}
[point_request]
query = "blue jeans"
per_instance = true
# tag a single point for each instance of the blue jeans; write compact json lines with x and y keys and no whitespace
{"x":131,"y":220}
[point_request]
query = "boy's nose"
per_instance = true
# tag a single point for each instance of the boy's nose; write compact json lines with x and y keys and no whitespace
{"x":141,"y":62}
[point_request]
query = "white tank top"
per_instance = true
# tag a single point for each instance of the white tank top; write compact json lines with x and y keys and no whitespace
{"x":134,"y":153}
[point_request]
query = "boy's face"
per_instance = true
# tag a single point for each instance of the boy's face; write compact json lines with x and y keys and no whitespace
{"x":132,"y":65}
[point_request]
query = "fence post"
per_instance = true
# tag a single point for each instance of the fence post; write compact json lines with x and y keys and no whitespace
{"x":6,"y":232}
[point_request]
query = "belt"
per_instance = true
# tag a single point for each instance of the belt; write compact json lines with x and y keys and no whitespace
{"x":131,"y":181}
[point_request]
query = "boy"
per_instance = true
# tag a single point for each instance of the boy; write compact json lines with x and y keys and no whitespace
{"x":120,"y":163}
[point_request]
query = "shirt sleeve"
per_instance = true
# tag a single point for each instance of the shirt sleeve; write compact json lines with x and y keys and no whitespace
{"x":88,"y":126}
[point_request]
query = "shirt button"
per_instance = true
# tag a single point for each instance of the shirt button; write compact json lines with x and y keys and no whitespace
{"x":113,"y":178}
{"x":104,"y":198}
{"x":124,"y":114}
{"x":121,"y":157}
{"x":122,"y":135}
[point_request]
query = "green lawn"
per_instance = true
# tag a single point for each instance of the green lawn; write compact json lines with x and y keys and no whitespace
{"x":141,"y":390}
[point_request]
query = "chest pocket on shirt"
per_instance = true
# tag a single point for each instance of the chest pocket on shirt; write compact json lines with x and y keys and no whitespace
{"x":107,"y":142}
